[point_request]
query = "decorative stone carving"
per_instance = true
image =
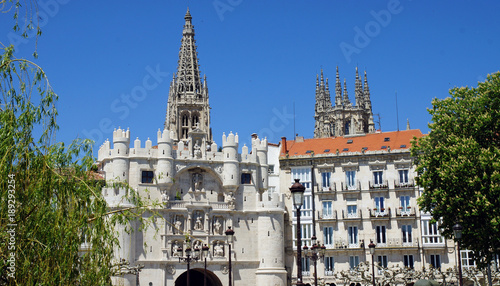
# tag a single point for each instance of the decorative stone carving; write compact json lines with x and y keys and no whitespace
{"x":197,"y":182}
{"x":219,"y":249}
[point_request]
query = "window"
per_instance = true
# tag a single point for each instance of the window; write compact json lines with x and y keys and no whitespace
{"x":467,"y":260}
{"x":430,"y":233}
{"x":407,"y":236}
{"x":408,"y":261}
{"x":350,"y":179}
{"x":325,"y":178}
{"x":381,"y":237}
{"x":304,"y":175}
{"x":246,"y":178}
{"x":328,"y":236}
{"x":270,"y":192}
{"x":435,"y":260}
{"x":147,"y":177}
{"x":306,"y":233}
{"x":329,"y":265}
{"x":382,"y":260}
{"x":327,"y":209}
{"x":404,"y":203}
{"x":353,"y":236}
{"x":377,"y":178}
{"x":270,"y":169}
{"x":379,"y":204}
{"x":305,"y":265}
{"x":347,"y":127}
{"x":353,"y":261}
{"x":403,"y":176}
{"x":194,"y":121}
{"x":352,"y":211}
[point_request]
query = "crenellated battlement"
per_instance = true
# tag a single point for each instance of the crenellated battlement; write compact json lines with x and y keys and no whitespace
{"x":230,"y":141}
{"x":120,"y":135}
{"x":165,"y":136}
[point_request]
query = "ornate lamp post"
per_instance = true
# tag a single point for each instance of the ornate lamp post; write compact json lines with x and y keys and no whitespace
{"x":204,"y":250}
{"x":189,"y":258}
{"x":372,"y":252}
{"x":315,"y":253}
{"x":457,"y":230}
{"x":230,"y":236}
{"x":297,"y":190}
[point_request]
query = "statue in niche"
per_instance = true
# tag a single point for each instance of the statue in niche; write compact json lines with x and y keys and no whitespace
{"x":218,"y":249}
{"x":231,"y":200}
{"x":217,"y":226}
{"x":197,"y":181}
{"x":164,"y":196}
{"x":178,"y":225}
{"x":198,"y":224}
{"x":176,"y":249}
{"x":197,"y":149}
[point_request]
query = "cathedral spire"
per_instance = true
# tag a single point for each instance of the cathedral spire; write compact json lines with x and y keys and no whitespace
{"x":358,"y":91}
{"x":366,"y":93}
{"x":346,"y":102}
{"x":338,"y":90}
{"x":188,"y":107}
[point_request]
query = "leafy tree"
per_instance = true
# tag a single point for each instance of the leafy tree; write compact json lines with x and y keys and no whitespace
{"x":458,"y":166}
{"x":55,"y":226}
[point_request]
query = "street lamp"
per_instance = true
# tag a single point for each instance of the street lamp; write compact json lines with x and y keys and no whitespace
{"x":372,"y":252}
{"x":315,"y":253}
{"x":189,"y":258}
{"x":230,"y":237}
{"x":205,"y":249}
{"x":457,"y":230}
{"x":297,"y":190}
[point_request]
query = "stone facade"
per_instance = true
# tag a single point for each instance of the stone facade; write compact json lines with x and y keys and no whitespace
{"x":360,"y":189}
{"x":203,"y":190}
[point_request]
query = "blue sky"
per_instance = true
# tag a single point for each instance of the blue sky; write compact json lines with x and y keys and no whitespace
{"x":260,"y":58}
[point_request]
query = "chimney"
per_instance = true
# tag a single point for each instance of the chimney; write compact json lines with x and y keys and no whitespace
{"x":283,"y":146}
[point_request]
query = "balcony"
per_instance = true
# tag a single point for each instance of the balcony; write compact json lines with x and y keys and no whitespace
{"x":402,"y":186}
{"x":329,"y":272}
{"x":352,"y":215}
{"x":407,"y":212}
{"x":185,"y":204}
{"x":330,"y":190}
{"x":327,"y":216}
{"x":382,"y":213}
{"x":384,"y":186}
{"x":398,"y":243}
{"x":344,"y":244}
{"x":355,"y":188}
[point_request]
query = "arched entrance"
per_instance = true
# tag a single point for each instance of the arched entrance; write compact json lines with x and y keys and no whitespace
{"x":196,"y":276}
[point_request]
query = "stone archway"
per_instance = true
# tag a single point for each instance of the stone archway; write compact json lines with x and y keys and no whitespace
{"x":196,"y":277}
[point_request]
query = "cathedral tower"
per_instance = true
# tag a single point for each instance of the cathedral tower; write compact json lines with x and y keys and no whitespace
{"x":343,"y":118}
{"x":188,"y":107}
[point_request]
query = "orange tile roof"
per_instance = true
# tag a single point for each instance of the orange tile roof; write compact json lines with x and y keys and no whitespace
{"x":372,"y":142}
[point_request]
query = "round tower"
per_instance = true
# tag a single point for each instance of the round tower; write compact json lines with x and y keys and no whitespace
{"x":121,"y":142}
{"x":271,"y":269}
{"x":230,"y":157}
{"x":164,"y":170}
{"x":261,"y":146}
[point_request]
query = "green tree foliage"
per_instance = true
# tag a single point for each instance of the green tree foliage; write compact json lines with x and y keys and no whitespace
{"x":458,"y":166}
{"x":55,"y":226}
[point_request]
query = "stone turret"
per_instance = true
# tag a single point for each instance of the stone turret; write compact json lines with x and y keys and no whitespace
{"x":260,"y":146}
{"x":164,"y":171}
{"x":231,"y":163}
{"x":120,"y":154}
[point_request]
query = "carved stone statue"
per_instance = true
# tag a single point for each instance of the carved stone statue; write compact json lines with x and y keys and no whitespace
{"x":178,"y":226}
{"x":197,"y":149}
{"x":175,"y":249}
{"x":219,"y":250}
{"x":217,"y":227}
{"x":197,"y":182}
{"x":199,"y":223}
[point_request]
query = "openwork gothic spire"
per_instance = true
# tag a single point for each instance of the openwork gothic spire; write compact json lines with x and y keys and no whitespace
{"x":188,"y":109}
{"x":343,"y":118}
